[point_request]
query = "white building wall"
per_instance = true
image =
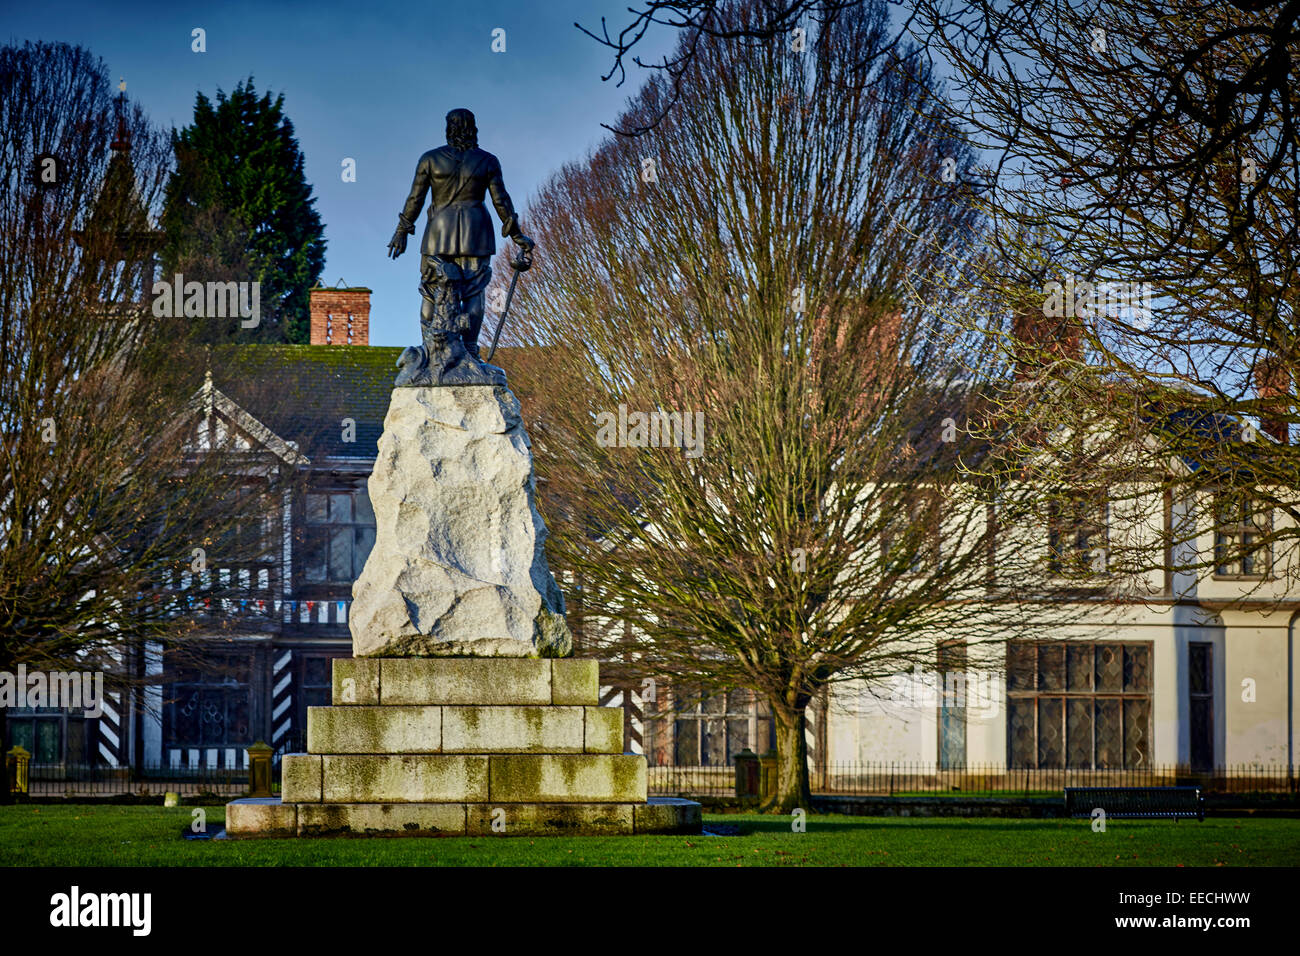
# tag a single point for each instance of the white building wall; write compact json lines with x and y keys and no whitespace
{"x":1247,"y":645}
{"x":1256,"y":694}
{"x":867,"y":727}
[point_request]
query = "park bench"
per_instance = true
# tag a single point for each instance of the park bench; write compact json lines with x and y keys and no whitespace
{"x":1136,"y":802}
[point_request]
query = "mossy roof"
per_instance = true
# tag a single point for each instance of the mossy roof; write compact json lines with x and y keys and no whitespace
{"x":304,"y":393}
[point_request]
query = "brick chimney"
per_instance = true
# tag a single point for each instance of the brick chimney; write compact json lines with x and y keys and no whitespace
{"x":1273,"y":381}
{"x":340,"y":316}
{"x":1040,"y":339}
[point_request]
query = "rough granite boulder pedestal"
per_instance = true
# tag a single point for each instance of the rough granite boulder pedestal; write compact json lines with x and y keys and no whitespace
{"x":458,"y":567}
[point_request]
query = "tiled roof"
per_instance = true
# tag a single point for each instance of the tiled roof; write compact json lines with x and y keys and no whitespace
{"x":304,"y":393}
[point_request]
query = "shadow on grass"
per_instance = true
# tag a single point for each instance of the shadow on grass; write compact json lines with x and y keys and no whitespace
{"x":750,"y":825}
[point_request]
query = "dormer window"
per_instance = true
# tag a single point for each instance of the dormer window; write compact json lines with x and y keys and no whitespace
{"x":1241,"y":526}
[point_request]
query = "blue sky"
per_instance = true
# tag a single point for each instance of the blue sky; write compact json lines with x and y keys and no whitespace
{"x":370,"y":81}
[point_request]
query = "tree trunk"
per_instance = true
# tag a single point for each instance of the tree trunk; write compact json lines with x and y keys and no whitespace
{"x":792,"y":786}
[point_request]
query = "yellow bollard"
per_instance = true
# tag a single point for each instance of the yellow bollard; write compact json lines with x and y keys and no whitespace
{"x":16,"y":764}
{"x":259,"y":770}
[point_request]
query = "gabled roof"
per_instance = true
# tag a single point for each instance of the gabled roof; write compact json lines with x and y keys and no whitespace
{"x":211,"y":399}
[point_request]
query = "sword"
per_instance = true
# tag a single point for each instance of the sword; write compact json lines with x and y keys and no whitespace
{"x":520,"y":263}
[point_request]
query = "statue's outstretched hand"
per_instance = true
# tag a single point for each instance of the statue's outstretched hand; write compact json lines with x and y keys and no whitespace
{"x":398,"y":244}
{"x":523,"y":241}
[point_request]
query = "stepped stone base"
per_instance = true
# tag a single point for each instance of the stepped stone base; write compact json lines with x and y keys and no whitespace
{"x":468,"y":746}
{"x":260,"y":817}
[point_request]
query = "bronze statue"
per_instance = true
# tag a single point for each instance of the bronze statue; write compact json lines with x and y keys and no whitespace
{"x":456,"y":256}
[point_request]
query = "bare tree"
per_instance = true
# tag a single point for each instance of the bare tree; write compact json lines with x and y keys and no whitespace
{"x":1139,"y":177}
{"x":798,"y":22}
{"x":114,"y":478}
{"x":761,"y":429}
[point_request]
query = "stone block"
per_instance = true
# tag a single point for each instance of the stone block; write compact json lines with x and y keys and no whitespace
{"x":261,"y":817}
{"x":355,"y":682}
{"x":480,"y":681}
{"x":550,"y":819}
{"x":300,"y":778}
{"x":404,"y":778}
{"x":374,"y":730}
{"x":512,"y":730}
{"x":404,"y":819}
{"x":567,"y":778}
{"x":575,"y":681}
{"x":668,"y":815}
{"x":604,"y":730}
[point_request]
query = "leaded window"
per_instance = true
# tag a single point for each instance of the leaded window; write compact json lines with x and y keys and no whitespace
{"x":340,"y":531}
{"x":1241,"y":526}
{"x":1079,"y":704}
{"x":952,"y":705}
{"x":1200,"y":687}
{"x":708,"y":729}
{"x":1076,"y":535}
{"x":210,"y":705}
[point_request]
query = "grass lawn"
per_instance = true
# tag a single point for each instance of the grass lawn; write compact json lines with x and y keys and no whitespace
{"x":87,"y":835}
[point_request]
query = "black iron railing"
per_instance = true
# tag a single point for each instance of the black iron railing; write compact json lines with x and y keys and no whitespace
{"x":914,"y":779}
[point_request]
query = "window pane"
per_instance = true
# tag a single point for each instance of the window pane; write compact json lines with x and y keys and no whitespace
{"x":1110,"y":668}
{"x":1137,"y":669}
{"x":317,"y":696}
{"x":340,"y":509}
{"x":1078,"y":731}
{"x":1051,"y":744}
{"x":75,"y":751}
{"x":952,"y":738}
{"x":365,"y":541}
{"x":316,"y":672}
{"x":237,"y":722}
{"x":185,"y":722}
{"x":1223,"y":550}
{"x":1078,"y":667}
{"x":687,"y":749}
{"x":1107,"y":734}
{"x":1051,"y":667}
{"x":737,"y":736}
{"x":1202,"y":728}
{"x":1020,"y":723}
{"x":1252,"y":558}
{"x":316,"y":509}
{"x":1199,"y":679}
{"x":213,"y":719}
{"x":48,"y":740}
{"x":21,"y":734}
{"x":341,"y":554}
{"x":361,"y":501}
{"x":1136,"y":737}
{"x":1020,"y":666}
{"x":315,"y":557}
{"x":952,"y":656}
{"x":713,"y":742}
